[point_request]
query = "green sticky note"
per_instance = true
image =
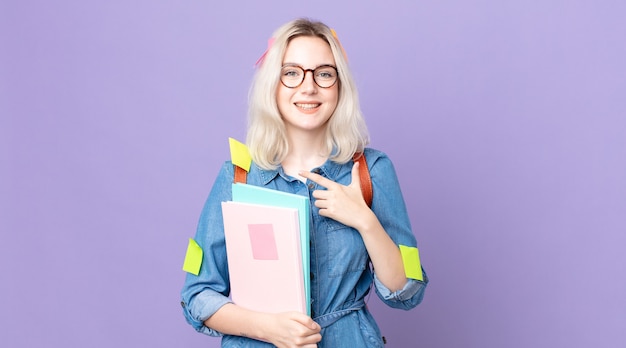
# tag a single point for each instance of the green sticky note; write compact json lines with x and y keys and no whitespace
{"x":411,"y":261}
{"x":193,"y":259}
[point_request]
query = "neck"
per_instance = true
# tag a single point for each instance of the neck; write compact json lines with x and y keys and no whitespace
{"x":306,"y":151}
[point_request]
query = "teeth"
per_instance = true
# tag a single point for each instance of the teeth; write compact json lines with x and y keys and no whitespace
{"x":307,"y":106}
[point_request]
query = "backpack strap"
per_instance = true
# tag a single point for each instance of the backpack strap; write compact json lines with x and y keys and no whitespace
{"x":241,"y":176}
{"x":366,"y":180}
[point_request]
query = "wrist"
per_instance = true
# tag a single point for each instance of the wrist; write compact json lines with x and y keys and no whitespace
{"x":368,"y":223}
{"x":262,"y":326}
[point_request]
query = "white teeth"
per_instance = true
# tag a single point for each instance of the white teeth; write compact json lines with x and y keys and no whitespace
{"x":307,"y":106}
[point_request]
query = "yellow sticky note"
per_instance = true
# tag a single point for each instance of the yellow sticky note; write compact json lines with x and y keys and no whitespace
{"x":193,"y":259}
{"x":412,"y":264}
{"x":239,"y":154}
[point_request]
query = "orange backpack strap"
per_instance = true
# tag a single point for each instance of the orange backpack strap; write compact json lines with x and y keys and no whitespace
{"x":366,"y":180}
{"x":241,"y":175}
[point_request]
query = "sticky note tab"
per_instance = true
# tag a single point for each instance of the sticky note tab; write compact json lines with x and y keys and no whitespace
{"x":270,"y":43}
{"x":340,"y":45}
{"x":263,"y":241}
{"x":193,"y":259}
{"x":412,"y":264}
{"x":239,"y":154}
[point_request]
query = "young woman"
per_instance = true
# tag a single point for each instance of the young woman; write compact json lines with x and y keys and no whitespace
{"x":305,"y":126}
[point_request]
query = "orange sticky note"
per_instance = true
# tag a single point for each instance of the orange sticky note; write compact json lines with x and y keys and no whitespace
{"x":239,"y":154}
{"x":411,"y":261}
{"x":193,"y":258}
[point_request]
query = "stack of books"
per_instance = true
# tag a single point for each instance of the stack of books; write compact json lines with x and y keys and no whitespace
{"x":267,"y":245}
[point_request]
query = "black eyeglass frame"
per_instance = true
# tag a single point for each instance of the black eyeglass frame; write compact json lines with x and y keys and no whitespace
{"x":312,"y":73}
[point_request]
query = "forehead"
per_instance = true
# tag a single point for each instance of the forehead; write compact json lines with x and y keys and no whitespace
{"x":308,"y":51}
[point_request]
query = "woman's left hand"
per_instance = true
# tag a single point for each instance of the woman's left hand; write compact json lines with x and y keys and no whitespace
{"x":339,"y":202}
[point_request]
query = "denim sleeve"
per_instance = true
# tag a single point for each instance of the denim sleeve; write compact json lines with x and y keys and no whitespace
{"x":388,"y":205}
{"x":406,"y":298}
{"x":204,"y":294}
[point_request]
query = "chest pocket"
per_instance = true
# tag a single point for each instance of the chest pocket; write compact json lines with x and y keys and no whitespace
{"x":346,"y":250}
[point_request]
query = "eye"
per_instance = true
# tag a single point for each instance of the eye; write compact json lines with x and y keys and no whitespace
{"x":326,"y":73}
{"x":291,"y":72}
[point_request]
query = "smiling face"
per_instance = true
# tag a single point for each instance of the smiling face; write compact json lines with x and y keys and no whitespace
{"x":307,"y":107}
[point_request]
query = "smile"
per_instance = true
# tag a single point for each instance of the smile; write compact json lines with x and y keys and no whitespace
{"x":307,"y":106}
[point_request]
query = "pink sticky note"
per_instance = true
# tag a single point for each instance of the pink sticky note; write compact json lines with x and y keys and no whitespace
{"x":263,"y":242}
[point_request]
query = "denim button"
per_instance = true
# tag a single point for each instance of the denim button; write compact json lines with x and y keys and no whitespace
{"x":311,"y":186}
{"x":182,"y":304}
{"x":316,"y":171}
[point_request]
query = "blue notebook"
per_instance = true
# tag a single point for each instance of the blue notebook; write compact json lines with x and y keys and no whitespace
{"x":259,"y":195}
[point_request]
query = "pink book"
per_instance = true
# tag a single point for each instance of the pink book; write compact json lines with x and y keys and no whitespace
{"x":264,"y":257}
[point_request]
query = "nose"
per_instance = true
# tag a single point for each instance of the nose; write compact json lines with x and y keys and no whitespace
{"x":308,"y":84}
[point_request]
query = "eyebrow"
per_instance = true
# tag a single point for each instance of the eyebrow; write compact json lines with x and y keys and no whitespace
{"x":298,"y":65}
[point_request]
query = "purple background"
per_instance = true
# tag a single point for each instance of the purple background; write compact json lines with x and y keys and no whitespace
{"x":506,"y":121}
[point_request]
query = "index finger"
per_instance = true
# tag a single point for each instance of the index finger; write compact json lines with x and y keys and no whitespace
{"x":316,"y":178}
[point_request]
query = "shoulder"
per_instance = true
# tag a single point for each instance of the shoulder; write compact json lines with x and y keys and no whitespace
{"x":373,"y":153}
{"x":227,"y":169}
{"x":376,"y":159}
{"x":254,"y":176}
{"x":380,"y":166}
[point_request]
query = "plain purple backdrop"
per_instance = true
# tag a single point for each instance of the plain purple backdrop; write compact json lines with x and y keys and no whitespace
{"x":506,"y":121}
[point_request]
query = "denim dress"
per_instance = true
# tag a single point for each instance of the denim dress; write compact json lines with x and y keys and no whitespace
{"x":341,"y":274}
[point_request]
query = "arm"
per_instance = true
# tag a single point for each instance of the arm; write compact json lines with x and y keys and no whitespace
{"x":390,"y":208}
{"x":205,"y":301}
{"x":346,"y":205}
{"x":282,"y":329}
{"x":382,"y":228}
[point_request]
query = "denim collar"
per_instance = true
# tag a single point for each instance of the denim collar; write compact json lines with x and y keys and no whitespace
{"x":329,"y":170}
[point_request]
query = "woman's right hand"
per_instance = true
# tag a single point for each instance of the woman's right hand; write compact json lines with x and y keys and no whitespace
{"x":292,"y":329}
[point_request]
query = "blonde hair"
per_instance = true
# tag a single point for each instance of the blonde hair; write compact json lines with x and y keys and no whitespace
{"x":346,"y":132}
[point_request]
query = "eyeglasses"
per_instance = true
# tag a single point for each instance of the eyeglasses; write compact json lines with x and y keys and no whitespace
{"x":292,"y":76}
